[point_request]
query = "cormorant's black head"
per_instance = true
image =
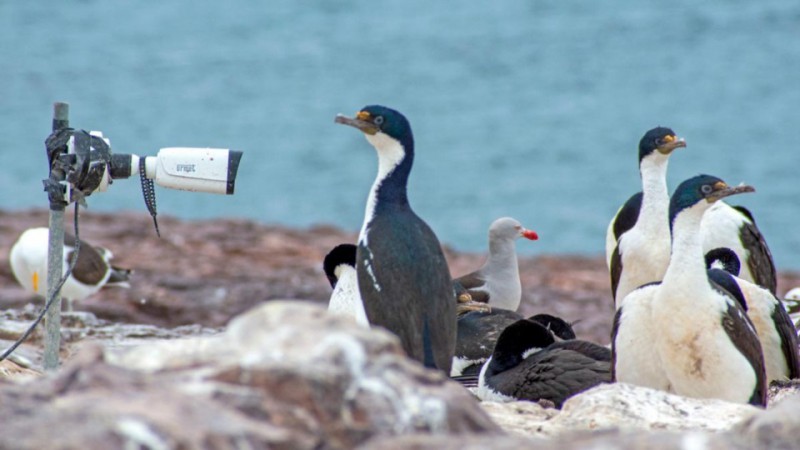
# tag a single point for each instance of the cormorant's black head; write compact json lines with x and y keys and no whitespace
{"x":706,"y":188}
{"x":341,"y":254}
{"x":376,"y":119}
{"x":661,"y":139}
{"x":727,"y":257}
{"x":518,"y":338}
{"x":558,"y":326}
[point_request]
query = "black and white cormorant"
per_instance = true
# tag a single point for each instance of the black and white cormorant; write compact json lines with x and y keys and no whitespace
{"x":637,"y":241}
{"x":528,"y":364}
{"x":477,"y":333}
{"x":403,"y":276}
{"x":775,"y":329}
{"x":497,"y":282}
{"x":92,"y":271}
{"x":340,"y":269}
{"x":689,"y":335}
{"x":642,"y":256}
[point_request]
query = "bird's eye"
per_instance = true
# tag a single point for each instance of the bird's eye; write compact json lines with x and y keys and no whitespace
{"x":378,"y":120}
{"x":706,"y":189}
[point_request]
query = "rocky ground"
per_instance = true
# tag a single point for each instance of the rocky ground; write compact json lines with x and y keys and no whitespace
{"x":188,"y":285}
{"x":205,"y":272}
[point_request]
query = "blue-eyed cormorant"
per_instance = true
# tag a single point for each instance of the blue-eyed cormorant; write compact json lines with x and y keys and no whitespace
{"x":642,"y":256}
{"x":403,"y":276}
{"x":528,"y":364}
{"x":706,"y":346}
{"x":637,"y":241}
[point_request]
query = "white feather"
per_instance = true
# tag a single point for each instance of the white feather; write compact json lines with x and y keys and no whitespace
{"x":346,"y":298}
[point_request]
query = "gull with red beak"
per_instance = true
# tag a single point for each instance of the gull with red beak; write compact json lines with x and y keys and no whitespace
{"x":497,"y":282}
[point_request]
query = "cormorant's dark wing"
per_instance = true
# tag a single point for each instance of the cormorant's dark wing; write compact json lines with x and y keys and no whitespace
{"x":788,"y":334}
{"x":615,"y":272}
{"x":742,"y":334}
{"x":552,"y":375}
{"x":628,"y":215}
{"x":614,"y":331}
{"x":760,"y":260}
{"x":726,"y":281}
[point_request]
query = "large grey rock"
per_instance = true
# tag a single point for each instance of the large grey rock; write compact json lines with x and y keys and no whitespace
{"x":284,"y":375}
{"x":775,"y":428}
{"x":598,"y":440}
{"x":619,"y":406}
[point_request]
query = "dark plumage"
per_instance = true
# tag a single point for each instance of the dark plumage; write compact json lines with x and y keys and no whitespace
{"x":478,"y":332}
{"x":560,"y":328}
{"x":341,"y":254}
{"x":528,"y":364}
{"x":403,"y":277}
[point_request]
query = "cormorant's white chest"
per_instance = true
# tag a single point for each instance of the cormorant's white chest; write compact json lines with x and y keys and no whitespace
{"x":390,"y":155}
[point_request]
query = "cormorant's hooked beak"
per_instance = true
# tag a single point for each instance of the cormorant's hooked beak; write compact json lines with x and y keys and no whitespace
{"x":722,"y":190}
{"x":362,"y":121}
{"x":670,"y":144}
{"x":529,"y":234}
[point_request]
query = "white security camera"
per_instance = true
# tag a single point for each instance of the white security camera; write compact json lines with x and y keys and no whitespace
{"x":186,"y":168}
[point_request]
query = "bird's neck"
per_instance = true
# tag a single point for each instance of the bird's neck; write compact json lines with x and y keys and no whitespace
{"x":502,"y":254}
{"x":655,"y":197}
{"x":687,"y":263}
{"x":389,"y":189}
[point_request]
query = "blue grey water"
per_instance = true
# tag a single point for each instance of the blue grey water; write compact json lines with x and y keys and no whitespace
{"x":526,"y":108}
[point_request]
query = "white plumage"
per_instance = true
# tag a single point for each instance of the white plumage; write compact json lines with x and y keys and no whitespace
{"x":28,"y":259}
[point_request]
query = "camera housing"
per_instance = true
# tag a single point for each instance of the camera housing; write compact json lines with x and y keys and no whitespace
{"x":193,"y":169}
{"x":92,"y":167}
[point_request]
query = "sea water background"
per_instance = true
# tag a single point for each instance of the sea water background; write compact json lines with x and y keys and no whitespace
{"x":526,"y":108}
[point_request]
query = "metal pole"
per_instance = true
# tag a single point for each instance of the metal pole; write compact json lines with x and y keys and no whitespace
{"x":55,"y":252}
